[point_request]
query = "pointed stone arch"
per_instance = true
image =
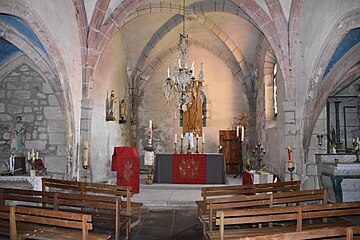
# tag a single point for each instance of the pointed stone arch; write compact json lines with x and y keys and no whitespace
{"x":320,"y":87}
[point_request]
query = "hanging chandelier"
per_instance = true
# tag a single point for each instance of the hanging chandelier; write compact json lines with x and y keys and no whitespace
{"x":182,"y":86}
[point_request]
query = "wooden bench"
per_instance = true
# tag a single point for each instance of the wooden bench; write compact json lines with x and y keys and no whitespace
{"x":35,"y":223}
{"x":102,"y":208}
{"x":233,"y":190}
{"x":97,"y":189}
{"x":284,"y":217}
{"x":263,"y":200}
{"x":331,"y":232}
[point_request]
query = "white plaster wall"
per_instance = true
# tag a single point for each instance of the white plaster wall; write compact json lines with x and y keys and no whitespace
{"x":105,"y":135}
{"x":59,"y":19}
{"x":226,"y":99}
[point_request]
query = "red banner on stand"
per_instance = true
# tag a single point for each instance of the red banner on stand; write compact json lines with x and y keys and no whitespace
{"x":189,"y":168}
{"x":126,"y":162}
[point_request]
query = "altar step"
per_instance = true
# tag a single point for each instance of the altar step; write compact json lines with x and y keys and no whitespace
{"x":173,"y":195}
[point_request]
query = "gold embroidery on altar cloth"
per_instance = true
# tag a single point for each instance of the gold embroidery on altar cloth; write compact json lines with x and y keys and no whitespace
{"x":188,"y":167}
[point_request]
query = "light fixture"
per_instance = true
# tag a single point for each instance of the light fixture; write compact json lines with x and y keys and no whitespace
{"x":182,"y":86}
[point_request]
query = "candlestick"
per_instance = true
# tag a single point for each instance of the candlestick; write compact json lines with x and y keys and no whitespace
{"x":202,"y":148}
{"x":175,"y":138}
{"x":197,"y":143}
{"x":175,"y":148}
{"x":181,"y":144}
{"x":237,"y":131}
{"x":203,"y":138}
{"x":291,"y":169}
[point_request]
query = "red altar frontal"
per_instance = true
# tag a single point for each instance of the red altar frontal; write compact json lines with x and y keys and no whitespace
{"x":126,"y":162}
{"x":190,"y":168}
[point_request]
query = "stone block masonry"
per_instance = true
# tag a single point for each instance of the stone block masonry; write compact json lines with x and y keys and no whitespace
{"x":25,"y":93}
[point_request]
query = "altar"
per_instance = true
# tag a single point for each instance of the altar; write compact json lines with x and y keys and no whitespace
{"x":190,"y":169}
{"x":340,"y":175}
{"x":24,"y":182}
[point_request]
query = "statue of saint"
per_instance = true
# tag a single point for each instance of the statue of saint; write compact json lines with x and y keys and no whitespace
{"x":18,"y":138}
{"x":122,"y":111}
{"x":112,"y":102}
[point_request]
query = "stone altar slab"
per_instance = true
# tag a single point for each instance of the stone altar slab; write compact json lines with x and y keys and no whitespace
{"x":24,"y":182}
{"x":341,"y":178}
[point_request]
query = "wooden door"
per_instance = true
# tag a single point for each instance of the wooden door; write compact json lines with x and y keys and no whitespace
{"x":231,"y":148}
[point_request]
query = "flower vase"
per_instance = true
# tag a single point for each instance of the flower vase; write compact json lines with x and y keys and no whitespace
{"x":333,"y":150}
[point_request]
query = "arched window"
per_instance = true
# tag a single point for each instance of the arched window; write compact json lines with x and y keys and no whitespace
{"x":275,"y":104}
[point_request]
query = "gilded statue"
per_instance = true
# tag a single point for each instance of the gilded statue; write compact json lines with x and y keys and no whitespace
{"x":122,"y":111}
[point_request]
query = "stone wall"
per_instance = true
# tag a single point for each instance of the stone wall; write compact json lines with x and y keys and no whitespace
{"x":24,"y":92}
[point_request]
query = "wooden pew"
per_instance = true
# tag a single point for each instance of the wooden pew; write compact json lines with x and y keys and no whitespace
{"x":232,"y":190}
{"x":37,"y":223}
{"x":331,"y":232}
{"x":285,"y":217}
{"x":263,"y":200}
{"x":103,"y":208}
{"x":97,"y":189}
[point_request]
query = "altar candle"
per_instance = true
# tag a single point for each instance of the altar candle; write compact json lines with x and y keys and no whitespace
{"x":86,"y":153}
{"x":182,"y":136}
{"x":150,"y":124}
{"x":203,"y":138}
{"x":28,"y":155}
{"x":242,"y":133}
{"x":37,"y":155}
{"x":179,"y":63}
{"x":192,"y":66}
{"x":237,"y":131}
{"x":168,"y":72}
{"x":175,"y":139}
{"x":197,"y":135}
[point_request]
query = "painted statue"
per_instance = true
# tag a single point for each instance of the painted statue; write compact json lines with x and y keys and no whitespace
{"x":18,"y":138}
{"x":122,"y":111}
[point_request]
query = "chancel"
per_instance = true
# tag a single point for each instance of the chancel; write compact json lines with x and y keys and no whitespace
{"x":155,"y":119}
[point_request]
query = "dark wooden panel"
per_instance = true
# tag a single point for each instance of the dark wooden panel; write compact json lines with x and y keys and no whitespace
{"x":231,"y":147}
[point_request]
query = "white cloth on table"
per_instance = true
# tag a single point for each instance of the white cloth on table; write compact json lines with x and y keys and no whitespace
{"x":189,"y":139}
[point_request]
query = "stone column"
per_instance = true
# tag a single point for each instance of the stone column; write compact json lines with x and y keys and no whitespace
{"x":85,"y":134}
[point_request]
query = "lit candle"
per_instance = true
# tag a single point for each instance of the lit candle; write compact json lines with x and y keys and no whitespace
{"x":242,"y":133}
{"x":86,"y":153}
{"x":37,"y":155}
{"x":203,"y":138}
{"x":237,"y":131}
{"x":175,"y":139}
{"x":168,"y":72}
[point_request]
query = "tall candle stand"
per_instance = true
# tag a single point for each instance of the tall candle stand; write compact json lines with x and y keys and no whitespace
{"x":188,"y":150}
{"x":259,"y":152}
{"x":150,"y":153}
{"x":86,"y":167}
{"x":291,"y":169}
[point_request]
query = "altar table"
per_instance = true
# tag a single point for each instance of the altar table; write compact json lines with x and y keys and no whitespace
{"x":190,"y":168}
{"x":252,"y":177}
